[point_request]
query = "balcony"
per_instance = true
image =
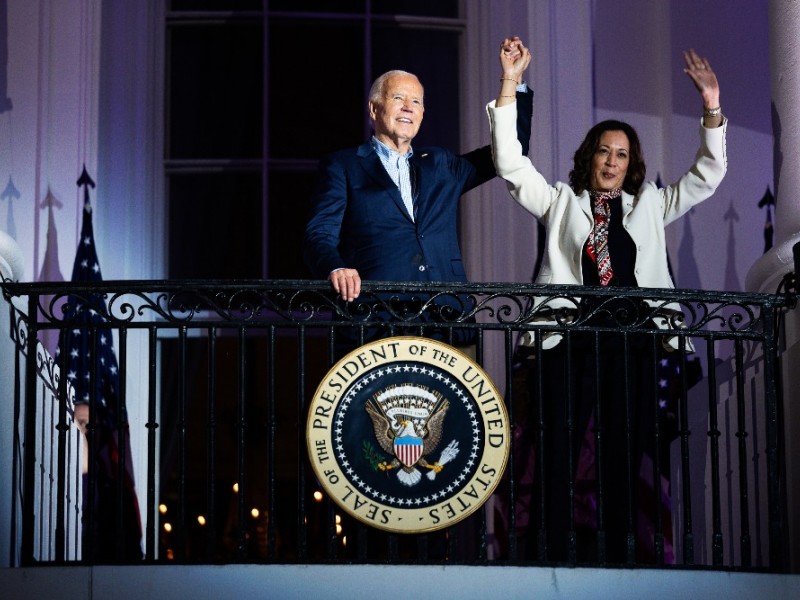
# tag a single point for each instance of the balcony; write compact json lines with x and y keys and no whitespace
{"x":196,"y":452}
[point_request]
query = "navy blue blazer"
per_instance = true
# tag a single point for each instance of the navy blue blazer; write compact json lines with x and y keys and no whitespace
{"x":358,"y":219}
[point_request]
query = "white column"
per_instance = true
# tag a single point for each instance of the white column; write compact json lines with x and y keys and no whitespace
{"x":784,"y":22}
{"x":766,"y":274}
{"x":10,"y":258}
{"x":10,"y":268}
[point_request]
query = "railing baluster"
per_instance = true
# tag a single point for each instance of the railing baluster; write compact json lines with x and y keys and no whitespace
{"x":541,"y":431}
{"x":688,"y":531}
{"x":510,"y":469}
{"x":90,"y":517}
{"x":180,"y":526}
{"x":62,"y":494}
{"x":151,"y":427}
{"x":272,"y":432}
{"x":211,"y":527}
{"x":28,"y":439}
{"x":300,"y":436}
{"x":241,"y":448}
{"x":713,"y":439}
{"x":742,"y":435}
{"x":779,"y":548}
{"x":656,"y":353}
{"x":46,"y":465}
{"x":631,"y":458}
{"x":123,"y":446}
{"x":16,"y":552}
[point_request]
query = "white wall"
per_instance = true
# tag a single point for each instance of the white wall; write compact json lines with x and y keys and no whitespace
{"x":85,"y":81}
{"x":51,"y":131}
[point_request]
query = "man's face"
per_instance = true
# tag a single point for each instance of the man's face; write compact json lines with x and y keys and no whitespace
{"x":81,"y":417}
{"x":398,"y":115}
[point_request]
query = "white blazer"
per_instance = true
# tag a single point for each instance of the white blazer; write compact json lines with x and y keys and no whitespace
{"x":568,"y":219}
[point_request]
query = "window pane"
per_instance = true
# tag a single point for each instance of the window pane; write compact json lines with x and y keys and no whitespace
{"x":215,"y":222}
{"x":313,"y":113}
{"x":215,"y":90}
{"x":428,"y":8}
{"x":289,"y":194}
{"x":412,"y":50}
{"x":325,"y":6}
{"x":220,"y":5}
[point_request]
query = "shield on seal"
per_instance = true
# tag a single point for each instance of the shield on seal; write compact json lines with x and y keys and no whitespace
{"x":408,"y":449}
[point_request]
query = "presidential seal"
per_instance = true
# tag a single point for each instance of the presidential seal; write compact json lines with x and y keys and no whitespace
{"x":408,"y":435}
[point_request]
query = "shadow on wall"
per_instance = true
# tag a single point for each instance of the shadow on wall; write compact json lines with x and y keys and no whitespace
{"x":5,"y":101}
{"x":687,"y":265}
{"x":732,"y":282}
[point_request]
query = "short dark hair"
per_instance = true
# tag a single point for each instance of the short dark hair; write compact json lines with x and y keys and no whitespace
{"x":579,"y":177}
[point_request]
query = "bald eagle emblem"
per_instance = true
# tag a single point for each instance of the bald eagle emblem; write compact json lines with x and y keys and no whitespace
{"x":407,"y":420}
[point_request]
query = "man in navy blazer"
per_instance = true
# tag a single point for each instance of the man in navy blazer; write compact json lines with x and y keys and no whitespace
{"x":387,"y":212}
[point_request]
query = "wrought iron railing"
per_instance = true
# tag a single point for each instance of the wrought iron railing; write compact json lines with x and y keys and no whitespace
{"x":208,"y":415}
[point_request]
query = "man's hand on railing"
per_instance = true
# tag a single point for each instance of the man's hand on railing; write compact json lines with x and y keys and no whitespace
{"x":346,"y":282}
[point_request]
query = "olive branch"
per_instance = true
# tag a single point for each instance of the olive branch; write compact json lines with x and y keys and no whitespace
{"x":373,"y":456}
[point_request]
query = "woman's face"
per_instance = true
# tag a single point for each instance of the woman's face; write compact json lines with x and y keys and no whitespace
{"x":610,"y":161}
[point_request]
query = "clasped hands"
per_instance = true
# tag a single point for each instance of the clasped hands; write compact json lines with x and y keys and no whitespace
{"x":514,"y":58}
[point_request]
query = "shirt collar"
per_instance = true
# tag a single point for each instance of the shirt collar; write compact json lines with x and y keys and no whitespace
{"x":385,"y":152}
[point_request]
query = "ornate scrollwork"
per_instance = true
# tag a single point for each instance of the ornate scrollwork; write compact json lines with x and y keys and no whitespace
{"x":304,"y":302}
{"x":47,"y":368}
{"x":19,"y":331}
{"x":720,"y":317}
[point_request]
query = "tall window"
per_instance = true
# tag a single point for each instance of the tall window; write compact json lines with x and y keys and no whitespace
{"x":258,"y":90}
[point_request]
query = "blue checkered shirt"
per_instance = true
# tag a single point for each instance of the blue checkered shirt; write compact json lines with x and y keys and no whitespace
{"x":397,"y":167}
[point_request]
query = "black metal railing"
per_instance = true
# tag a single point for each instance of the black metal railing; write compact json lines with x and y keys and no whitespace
{"x":195,"y":452}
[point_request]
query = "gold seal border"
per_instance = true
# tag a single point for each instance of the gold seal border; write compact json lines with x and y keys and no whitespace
{"x":488,"y":403}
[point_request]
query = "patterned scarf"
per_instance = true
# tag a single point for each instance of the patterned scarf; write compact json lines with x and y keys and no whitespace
{"x":597,"y":246}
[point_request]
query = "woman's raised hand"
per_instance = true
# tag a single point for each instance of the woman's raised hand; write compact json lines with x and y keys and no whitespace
{"x":703,"y":76}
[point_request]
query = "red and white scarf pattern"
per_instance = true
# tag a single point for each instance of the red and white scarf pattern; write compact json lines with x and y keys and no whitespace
{"x":597,"y":246}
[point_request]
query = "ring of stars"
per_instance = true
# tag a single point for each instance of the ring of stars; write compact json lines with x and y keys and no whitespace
{"x":454,"y":391}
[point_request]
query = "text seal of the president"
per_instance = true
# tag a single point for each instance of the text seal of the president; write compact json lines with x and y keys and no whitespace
{"x":408,"y":434}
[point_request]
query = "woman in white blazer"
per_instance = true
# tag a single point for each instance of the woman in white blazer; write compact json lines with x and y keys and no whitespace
{"x":604,"y":227}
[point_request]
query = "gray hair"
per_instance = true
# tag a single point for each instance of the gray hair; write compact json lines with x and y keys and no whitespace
{"x":379,"y":85}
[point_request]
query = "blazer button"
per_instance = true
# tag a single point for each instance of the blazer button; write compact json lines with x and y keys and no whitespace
{"x":422,"y":267}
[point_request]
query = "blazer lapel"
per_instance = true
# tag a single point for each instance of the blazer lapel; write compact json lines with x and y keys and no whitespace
{"x":626,"y":202}
{"x":374,"y":168}
{"x":421,"y":177}
{"x":585,"y":202}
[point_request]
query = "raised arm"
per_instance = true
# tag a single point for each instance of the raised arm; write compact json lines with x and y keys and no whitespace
{"x":514,"y":59}
{"x":701,"y":73}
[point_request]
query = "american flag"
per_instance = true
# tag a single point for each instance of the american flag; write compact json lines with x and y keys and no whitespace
{"x":92,"y":369}
{"x":670,"y":384}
